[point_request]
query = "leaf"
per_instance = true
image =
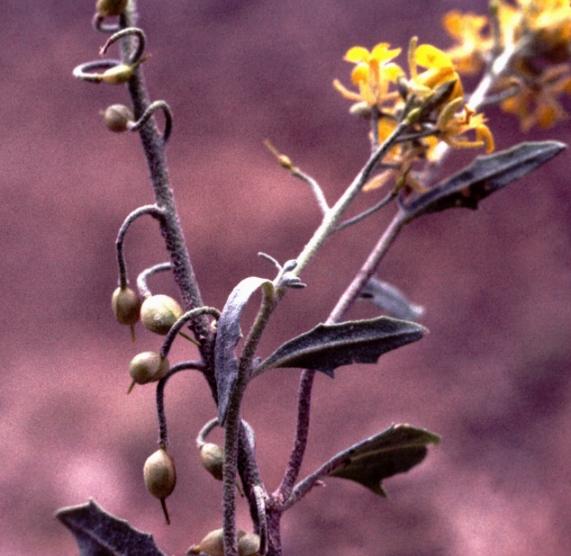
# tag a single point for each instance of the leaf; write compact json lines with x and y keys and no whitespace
{"x":328,"y":346}
{"x":484,"y":176}
{"x":395,"y":450}
{"x":98,"y":533}
{"x":227,"y":338}
{"x":390,"y":299}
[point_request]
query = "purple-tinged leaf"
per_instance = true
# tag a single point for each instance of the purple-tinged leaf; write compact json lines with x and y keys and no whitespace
{"x":100,"y":534}
{"x":484,"y":176}
{"x":227,"y":338}
{"x":395,"y":450}
{"x":328,"y":346}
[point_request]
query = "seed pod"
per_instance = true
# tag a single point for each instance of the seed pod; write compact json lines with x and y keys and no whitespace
{"x":159,"y":313}
{"x":160,"y":477}
{"x":119,"y":74}
{"x":212,"y":458}
{"x":109,"y":8}
{"x":126,"y":306}
{"x":117,"y":117}
{"x":146,"y":367}
{"x":249,"y":545}
{"x":213,"y":543}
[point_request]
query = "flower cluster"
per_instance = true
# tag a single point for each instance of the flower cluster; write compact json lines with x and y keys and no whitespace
{"x":538,"y":33}
{"x":430,"y":98}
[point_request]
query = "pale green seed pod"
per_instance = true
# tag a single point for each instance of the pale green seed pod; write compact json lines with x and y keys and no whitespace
{"x":126,"y":306}
{"x":160,"y":477}
{"x":119,"y":74}
{"x":249,"y":545}
{"x":146,"y":367}
{"x":159,"y":313}
{"x":117,"y":117}
{"x":109,"y":8}
{"x":213,"y":543}
{"x":212,"y":458}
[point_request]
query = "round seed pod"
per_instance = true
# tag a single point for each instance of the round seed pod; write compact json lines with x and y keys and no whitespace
{"x":160,"y":477}
{"x":117,"y":117}
{"x":109,"y":8}
{"x":249,"y":545}
{"x":159,"y":313}
{"x":212,"y":458}
{"x":213,"y":543}
{"x":126,"y":306}
{"x":147,"y":366}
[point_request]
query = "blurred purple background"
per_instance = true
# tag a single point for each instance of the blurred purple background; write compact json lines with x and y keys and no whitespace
{"x":492,"y":377}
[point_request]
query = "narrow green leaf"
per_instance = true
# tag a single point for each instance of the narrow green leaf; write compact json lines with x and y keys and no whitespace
{"x":227,"y":338}
{"x":98,"y":533}
{"x":328,"y":346}
{"x":484,"y":176}
{"x":395,"y":450}
{"x":391,"y":300}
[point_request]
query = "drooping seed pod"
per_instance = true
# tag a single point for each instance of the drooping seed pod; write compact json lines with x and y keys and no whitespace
{"x":126,"y":306}
{"x":213,"y":543}
{"x":110,"y":8}
{"x":212,"y":458}
{"x":146,"y":367}
{"x":249,"y":545}
{"x":159,"y":313}
{"x":160,"y":477}
{"x":117,"y":117}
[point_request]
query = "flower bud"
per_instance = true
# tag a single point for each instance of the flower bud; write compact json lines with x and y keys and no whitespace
{"x":117,"y":117}
{"x":108,"y":8}
{"x":126,"y":306}
{"x":160,"y":477}
{"x":249,"y":545}
{"x":212,"y":458}
{"x":159,"y":313}
{"x":146,"y":367}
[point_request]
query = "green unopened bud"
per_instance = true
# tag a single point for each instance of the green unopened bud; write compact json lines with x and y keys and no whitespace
{"x":159,"y":313}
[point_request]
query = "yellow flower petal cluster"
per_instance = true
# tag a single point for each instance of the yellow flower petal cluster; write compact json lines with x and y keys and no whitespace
{"x":432,"y":88}
{"x":540,"y":32}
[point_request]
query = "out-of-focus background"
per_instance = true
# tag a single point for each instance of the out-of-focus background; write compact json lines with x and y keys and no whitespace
{"x":492,"y":377}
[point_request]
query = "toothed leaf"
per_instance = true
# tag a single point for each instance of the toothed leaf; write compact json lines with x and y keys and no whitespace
{"x":328,"y":346}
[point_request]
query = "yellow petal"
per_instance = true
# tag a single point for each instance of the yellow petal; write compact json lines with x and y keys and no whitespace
{"x":381,"y":52}
{"x":357,"y":54}
{"x":429,"y":56}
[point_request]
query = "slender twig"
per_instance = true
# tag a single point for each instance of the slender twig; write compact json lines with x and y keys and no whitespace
{"x":184,"y":319}
{"x":366,"y":213}
{"x":157,"y":105}
{"x":151,"y":210}
{"x":142,"y":286}
{"x":315,"y":188}
{"x":129,"y":31}
{"x":160,"y":395}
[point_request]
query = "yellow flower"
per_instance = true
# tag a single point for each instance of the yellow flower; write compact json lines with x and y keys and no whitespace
{"x":473,"y":46}
{"x":536,"y":103}
{"x":439,"y":71}
{"x":373,"y":74}
{"x":452,"y":127}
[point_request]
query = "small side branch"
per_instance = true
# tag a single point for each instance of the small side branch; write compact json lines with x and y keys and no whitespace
{"x":151,"y":210}
{"x":142,"y":285}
